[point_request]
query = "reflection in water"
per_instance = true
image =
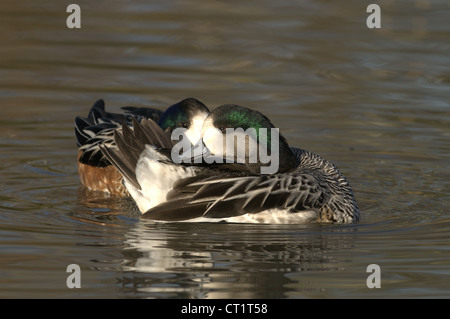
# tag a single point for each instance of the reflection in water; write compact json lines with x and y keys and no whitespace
{"x":103,"y":209}
{"x":226,"y":260}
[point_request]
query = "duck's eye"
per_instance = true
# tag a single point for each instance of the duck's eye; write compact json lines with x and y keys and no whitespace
{"x":182,"y":124}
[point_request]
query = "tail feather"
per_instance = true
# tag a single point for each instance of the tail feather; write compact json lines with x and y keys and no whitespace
{"x":98,"y":127}
{"x":130,"y":145}
{"x":97,"y":112}
{"x":121,"y":164}
{"x":130,"y":152}
{"x":82,"y":136}
{"x":149,"y":132}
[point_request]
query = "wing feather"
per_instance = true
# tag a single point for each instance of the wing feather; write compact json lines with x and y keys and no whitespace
{"x":98,"y":129}
{"x":130,"y":143}
{"x":230,"y":196}
{"x":115,"y":158}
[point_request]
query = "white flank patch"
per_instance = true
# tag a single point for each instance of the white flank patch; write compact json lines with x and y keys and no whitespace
{"x":270,"y":216}
{"x":155,"y":178}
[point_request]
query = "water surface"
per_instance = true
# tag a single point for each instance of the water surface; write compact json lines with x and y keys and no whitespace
{"x":374,"y":102}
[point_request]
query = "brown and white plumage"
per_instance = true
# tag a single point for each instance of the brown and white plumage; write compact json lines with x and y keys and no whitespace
{"x":98,"y":128}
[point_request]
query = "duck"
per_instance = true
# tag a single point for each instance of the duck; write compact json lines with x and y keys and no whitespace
{"x":97,"y":129}
{"x":226,"y":185}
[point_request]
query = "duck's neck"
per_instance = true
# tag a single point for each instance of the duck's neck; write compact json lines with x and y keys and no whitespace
{"x":279,"y":159}
{"x":288,"y":160}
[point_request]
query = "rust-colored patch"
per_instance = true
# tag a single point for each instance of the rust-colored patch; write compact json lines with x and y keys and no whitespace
{"x":104,"y":179}
{"x":325,"y":214}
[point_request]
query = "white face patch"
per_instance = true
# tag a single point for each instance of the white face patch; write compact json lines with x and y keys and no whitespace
{"x":232,"y":146}
{"x":239,"y":146}
{"x":212,"y":138}
{"x":194,"y":133}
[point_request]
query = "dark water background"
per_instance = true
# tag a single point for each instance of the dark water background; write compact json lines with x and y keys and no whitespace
{"x":376,"y":102}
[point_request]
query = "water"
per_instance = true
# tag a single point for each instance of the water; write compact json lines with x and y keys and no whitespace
{"x":375,"y":102}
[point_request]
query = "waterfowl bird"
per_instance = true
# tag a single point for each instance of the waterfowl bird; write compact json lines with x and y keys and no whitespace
{"x":303,"y":188}
{"x":97,"y":129}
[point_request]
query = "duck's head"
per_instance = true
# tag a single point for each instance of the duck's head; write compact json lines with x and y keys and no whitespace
{"x":242,"y":135}
{"x":188,"y":114}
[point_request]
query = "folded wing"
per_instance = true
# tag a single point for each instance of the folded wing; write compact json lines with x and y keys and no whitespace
{"x":234,"y":194}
